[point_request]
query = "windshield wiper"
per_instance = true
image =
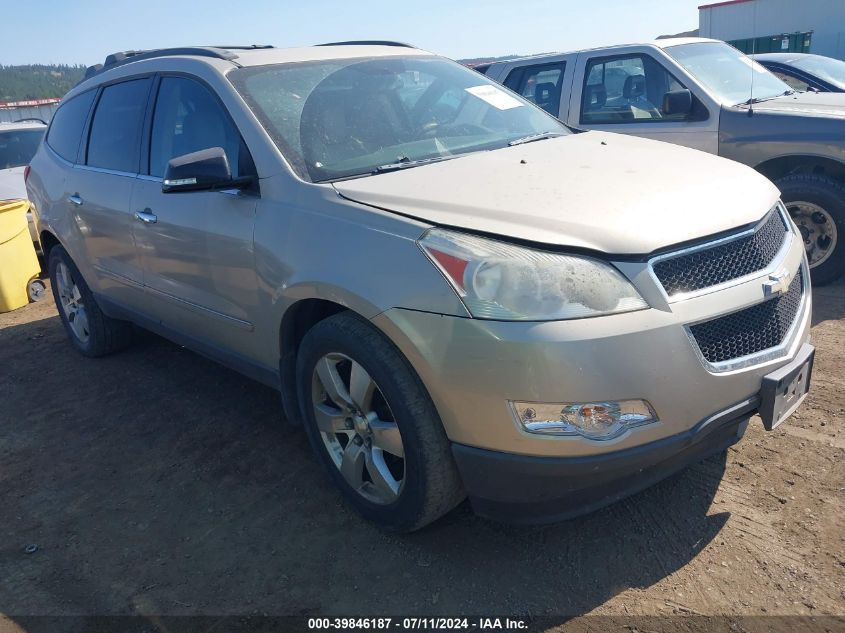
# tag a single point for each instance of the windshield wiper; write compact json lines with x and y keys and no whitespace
{"x":534,"y":137}
{"x":404,"y":163}
{"x":761,"y":99}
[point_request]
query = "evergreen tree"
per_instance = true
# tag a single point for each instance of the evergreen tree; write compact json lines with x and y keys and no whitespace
{"x":38,"y":81}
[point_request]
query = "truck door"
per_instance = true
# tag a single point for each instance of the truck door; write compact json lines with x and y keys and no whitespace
{"x":634,"y":93}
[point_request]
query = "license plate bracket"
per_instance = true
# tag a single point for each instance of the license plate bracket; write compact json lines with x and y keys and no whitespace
{"x":783,"y":390}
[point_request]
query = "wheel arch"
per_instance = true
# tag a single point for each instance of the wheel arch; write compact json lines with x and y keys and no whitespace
{"x":299,"y":317}
{"x":775,"y":168}
{"x":48,"y":240}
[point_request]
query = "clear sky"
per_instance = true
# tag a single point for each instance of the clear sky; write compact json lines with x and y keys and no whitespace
{"x":85,"y":31}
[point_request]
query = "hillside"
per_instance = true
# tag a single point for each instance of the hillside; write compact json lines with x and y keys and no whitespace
{"x":38,"y":81}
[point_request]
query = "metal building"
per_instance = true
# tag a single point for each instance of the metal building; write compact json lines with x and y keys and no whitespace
{"x":773,"y":26}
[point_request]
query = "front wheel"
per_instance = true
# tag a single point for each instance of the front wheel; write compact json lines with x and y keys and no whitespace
{"x":817,"y":206}
{"x":373,"y":425}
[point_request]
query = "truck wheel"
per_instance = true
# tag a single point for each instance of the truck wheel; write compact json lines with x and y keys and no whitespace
{"x":373,"y":425}
{"x":90,"y":331}
{"x":817,"y":205}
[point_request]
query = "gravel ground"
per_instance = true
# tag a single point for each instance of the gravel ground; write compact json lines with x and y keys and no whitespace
{"x":156,"y":482}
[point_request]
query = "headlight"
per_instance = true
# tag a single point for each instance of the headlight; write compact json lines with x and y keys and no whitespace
{"x":502,"y":281}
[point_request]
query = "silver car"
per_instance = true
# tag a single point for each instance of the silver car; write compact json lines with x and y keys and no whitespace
{"x":456,"y":295}
{"x":18,"y":144}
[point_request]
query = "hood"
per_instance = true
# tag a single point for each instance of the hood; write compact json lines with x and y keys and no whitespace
{"x":12,"y":185}
{"x":822,"y":104}
{"x":596,"y":190}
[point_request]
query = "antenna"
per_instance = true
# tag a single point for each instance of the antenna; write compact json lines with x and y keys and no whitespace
{"x":753,"y":50}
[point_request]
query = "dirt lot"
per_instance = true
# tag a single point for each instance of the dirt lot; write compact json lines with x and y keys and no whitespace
{"x":157,"y":482}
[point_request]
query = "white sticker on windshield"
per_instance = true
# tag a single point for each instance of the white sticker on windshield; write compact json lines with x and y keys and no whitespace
{"x":496,"y":97}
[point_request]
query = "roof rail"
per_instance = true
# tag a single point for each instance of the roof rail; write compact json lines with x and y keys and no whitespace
{"x":245,"y":47}
{"x":368,"y":43}
{"x":124,"y":57}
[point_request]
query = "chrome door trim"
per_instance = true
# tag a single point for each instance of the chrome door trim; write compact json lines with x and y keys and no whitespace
{"x":103,"y":170}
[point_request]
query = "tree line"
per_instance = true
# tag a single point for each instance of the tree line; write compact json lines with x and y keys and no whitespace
{"x":38,"y":81}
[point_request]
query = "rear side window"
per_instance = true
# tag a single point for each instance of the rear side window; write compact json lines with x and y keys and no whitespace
{"x":189,"y":118}
{"x":541,"y":84}
{"x":114,"y":140}
{"x":66,"y":127}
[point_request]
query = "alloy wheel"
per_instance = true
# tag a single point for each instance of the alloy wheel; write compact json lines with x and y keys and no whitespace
{"x":72,"y":304}
{"x":358,"y":429}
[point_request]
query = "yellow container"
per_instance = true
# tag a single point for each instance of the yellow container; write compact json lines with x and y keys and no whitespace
{"x":18,"y":262}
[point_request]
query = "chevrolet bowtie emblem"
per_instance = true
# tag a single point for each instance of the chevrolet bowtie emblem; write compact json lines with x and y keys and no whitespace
{"x":778,"y":283}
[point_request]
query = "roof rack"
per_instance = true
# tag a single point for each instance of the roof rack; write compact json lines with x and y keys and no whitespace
{"x":124,"y":57}
{"x":368,"y":43}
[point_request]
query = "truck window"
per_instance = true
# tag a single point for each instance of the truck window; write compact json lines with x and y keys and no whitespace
{"x":627,"y":89}
{"x":540,"y":83}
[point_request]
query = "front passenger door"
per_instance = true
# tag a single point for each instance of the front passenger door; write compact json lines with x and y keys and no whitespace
{"x":197,"y":247}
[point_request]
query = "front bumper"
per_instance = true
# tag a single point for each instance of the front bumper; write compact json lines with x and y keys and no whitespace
{"x":529,"y":490}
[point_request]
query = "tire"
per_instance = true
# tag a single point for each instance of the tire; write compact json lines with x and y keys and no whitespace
{"x":829,"y":196}
{"x":102,"y":334}
{"x":430,"y":486}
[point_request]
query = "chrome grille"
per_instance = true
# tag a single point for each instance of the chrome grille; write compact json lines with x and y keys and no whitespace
{"x":723,"y":262}
{"x":751,"y":330}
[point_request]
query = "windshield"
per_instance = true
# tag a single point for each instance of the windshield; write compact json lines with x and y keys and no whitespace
{"x":727,"y":73}
{"x":17,"y":147}
{"x":825,"y":68}
{"x":349,"y":117}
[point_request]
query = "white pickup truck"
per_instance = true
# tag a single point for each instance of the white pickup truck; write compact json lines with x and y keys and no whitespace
{"x":707,"y":95}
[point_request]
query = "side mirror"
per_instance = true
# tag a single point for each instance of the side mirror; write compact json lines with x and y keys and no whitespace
{"x":204,"y":170}
{"x":677,"y":102}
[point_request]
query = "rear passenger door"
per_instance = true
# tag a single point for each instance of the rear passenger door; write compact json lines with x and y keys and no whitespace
{"x":100,"y":187}
{"x":624,"y":93}
{"x":197,"y":246}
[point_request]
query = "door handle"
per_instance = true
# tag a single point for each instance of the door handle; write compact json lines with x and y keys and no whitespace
{"x":146,"y":216}
{"x":75,"y":199}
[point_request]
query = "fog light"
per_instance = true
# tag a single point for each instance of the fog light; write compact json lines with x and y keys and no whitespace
{"x":593,"y":420}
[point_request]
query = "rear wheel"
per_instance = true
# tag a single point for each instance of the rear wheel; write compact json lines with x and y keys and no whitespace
{"x":817,"y":206}
{"x":373,"y":426}
{"x":90,"y":331}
